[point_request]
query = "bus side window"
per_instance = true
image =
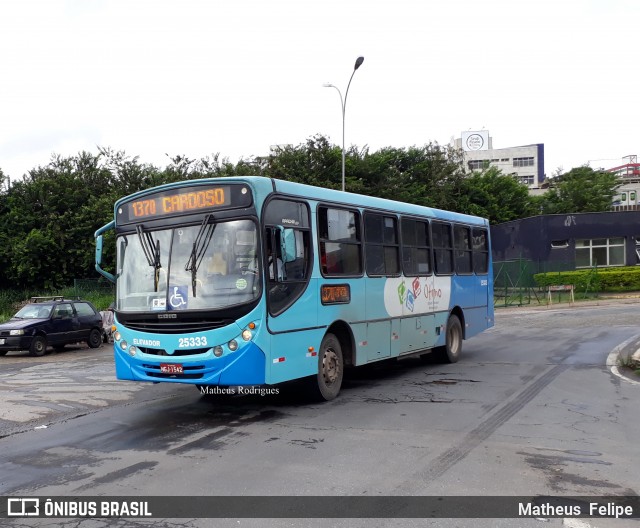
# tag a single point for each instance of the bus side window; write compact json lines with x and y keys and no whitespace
{"x":442,"y":248}
{"x":381,"y":245}
{"x":462,"y":241}
{"x":480,"y":241}
{"x":416,"y":251}
{"x":340,"y":241}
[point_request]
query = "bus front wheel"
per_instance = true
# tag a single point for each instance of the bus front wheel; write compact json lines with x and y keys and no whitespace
{"x":450,"y":352}
{"x":326,"y":384}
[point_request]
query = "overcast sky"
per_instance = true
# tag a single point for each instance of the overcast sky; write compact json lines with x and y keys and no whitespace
{"x":199,"y":77}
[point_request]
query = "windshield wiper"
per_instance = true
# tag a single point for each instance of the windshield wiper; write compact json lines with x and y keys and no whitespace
{"x":199,"y":249}
{"x":151,"y":252}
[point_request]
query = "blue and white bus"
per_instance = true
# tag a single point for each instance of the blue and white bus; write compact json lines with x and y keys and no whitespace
{"x":253,"y":281}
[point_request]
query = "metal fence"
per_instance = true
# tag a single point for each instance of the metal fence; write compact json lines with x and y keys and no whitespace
{"x":514,"y":284}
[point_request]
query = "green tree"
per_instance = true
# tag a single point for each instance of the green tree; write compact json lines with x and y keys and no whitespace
{"x":496,"y":196}
{"x":49,"y":219}
{"x":581,"y":190}
{"x":315,"y":162}
{"x":430,"y":175}
{"x":127,"y":174}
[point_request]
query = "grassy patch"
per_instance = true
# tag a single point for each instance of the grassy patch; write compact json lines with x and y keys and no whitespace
{"x":629,"y":363}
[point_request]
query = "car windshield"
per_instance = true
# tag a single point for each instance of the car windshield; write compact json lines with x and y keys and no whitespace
{"x":201,"y":267}
{"x":34,"y":311}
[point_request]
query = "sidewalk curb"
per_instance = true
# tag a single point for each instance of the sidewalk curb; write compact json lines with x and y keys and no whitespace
{"x":605,"y":301}
{"x":614,"y":355}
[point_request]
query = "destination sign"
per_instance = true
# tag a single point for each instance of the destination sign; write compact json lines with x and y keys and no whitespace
{"x":335,"y":294}
{"x":183,"y":200}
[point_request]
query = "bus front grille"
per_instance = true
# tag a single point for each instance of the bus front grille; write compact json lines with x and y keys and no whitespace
{"x":176,"y":353}
{"x":176,"y":327}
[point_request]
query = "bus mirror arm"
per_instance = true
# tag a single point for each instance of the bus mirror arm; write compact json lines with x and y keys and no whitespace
{"x":98,"y":237}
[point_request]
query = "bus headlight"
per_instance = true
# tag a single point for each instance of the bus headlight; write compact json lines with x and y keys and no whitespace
{"x":123,"y":345}
{"x":117,"y":336}
{"x":132,"y":350}
{"x":247,"y":335}
{"x":233,"y":345}
{"x":217,"y":350}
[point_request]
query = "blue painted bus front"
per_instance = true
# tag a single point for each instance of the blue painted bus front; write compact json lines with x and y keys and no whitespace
{"x":245,"y":366}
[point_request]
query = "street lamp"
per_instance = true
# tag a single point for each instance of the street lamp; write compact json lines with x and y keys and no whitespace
{"x":343,"y":105}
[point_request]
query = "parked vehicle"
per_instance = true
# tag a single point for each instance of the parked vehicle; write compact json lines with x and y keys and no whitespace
{"x":51,"y":321}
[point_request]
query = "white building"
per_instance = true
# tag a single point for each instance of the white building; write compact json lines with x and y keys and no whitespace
{"x":628,"y":197}
{"x":525,"y":163}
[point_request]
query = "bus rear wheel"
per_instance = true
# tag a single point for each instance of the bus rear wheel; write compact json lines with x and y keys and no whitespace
{"x":326,"y":384}
{"x":450,"y":352}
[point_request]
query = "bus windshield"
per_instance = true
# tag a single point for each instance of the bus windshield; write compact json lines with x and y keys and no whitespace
{"x":201,"y":267}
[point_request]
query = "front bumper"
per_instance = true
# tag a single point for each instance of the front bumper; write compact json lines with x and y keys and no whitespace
{"x":246,"y":367}
{"x":8,"y":343}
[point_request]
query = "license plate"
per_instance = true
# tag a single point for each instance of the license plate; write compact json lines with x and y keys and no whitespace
{"x":2,"y":341}
{"x":171,"y":368}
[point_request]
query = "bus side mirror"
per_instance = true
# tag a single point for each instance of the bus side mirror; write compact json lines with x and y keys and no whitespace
{"x":99,"y":250}
{"x":288,"y":244}
{"x":98,"y":237}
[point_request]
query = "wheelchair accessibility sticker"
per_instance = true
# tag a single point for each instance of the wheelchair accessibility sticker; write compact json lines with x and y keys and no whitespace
{"x":178,"y":298}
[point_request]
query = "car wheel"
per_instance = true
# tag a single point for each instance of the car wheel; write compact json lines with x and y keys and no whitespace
{"x":38,"y":346}
{"x":95,"y":338}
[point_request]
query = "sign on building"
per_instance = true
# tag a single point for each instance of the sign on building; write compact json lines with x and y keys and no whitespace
{"x":472,"y":141}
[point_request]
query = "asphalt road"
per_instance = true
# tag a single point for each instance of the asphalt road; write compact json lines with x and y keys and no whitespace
{"x":531,"y":409}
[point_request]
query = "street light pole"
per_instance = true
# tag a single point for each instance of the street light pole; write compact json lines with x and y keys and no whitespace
{"x":343,"y":106}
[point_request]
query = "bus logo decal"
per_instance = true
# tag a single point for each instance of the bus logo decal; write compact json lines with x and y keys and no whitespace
{"x":415,"y":295}
{"x":432,"y":293}
{"x":410,"y":301}
{"x":402,"y":289}
{"x":416,"y":286}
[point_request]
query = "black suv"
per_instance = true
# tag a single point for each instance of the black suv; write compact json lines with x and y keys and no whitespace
{"x":51,"y":321}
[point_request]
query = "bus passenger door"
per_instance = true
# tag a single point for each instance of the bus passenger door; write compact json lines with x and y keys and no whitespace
{"x":292,"y":305}
{"x":292,"y":302}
